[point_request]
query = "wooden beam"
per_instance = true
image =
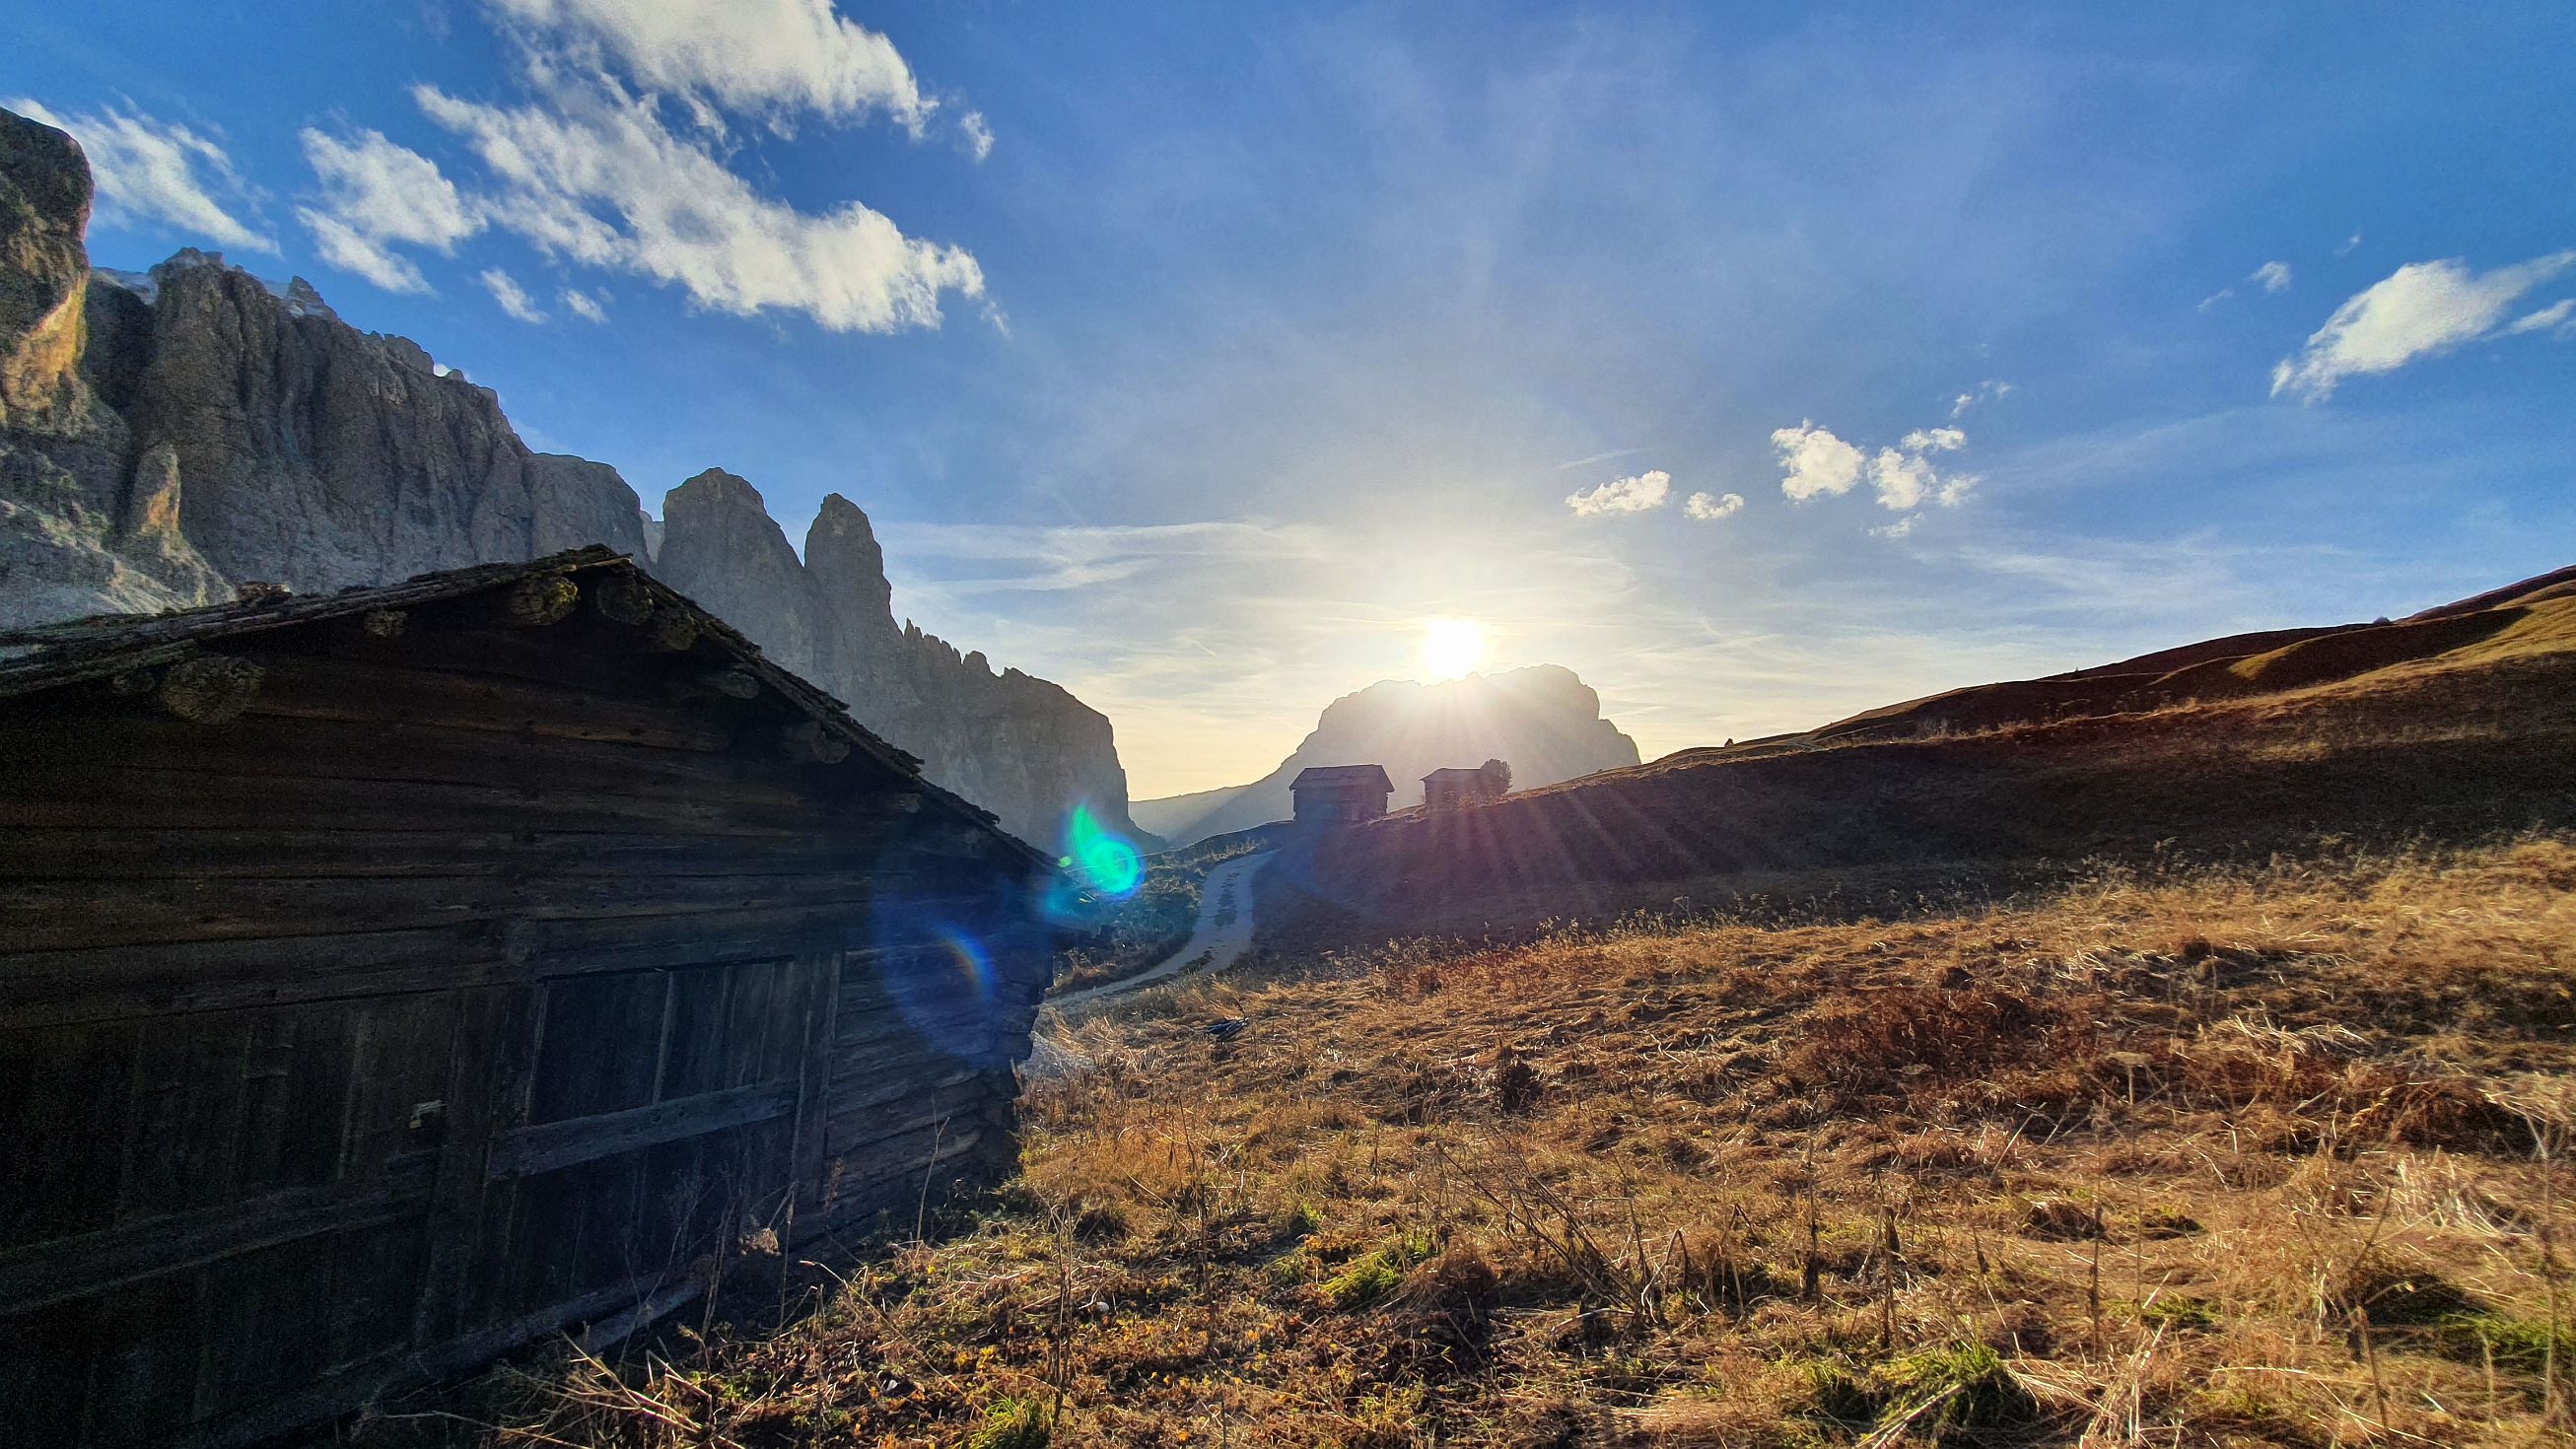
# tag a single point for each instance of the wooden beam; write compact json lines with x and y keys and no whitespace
{"x":76,"y":1267}
{"x":210,"y":688}
{"x":531,"y":1150}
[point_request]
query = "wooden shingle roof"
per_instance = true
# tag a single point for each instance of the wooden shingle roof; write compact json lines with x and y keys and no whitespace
{"x":1326,"y":776}
{"x":103,"y":646}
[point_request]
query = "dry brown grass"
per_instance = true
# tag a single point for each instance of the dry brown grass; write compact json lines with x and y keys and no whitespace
{"x":2210,"y":1159}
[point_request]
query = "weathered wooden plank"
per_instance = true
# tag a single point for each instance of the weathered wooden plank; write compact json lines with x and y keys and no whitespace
{"x":600,"y":1048}
{"x":818,"y":979}
{"x":150,"y":799}
{"x":69,"y":915}
{"x":96,"y":1262}
{"x":63,"y":1100}
{"x":495,"y":1044}
{"x":852,"y":1132}
{"x":186,"y":1115}
{"x":889,"y":1174}
{"x":893,"y":1083}
{"x":352,"y":689}
{"x":81,"y":741}
{"x":62,"y":987}
{"x":552,"y":1145}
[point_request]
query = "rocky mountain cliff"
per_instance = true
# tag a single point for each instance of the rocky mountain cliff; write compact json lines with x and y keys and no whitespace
{"x":166,"y":438}
{"x":1543,"y":721}
{"x":1016,"y":744}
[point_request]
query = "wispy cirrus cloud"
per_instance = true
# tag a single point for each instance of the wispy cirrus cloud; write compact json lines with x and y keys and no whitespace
{"x":376,"y":196}
{"x":512,"y":297}
{"x":2420,"y":310}
{"x":149,"y":170}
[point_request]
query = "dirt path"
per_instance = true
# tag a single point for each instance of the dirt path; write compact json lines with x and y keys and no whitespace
{"x":1222,"y":933}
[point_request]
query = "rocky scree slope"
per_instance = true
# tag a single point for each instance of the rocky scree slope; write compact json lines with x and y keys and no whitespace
{"x":167,"y":438}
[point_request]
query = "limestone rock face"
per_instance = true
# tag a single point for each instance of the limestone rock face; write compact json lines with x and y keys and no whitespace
{"x":85,"y":526}
{"x":322,"y":456}
{"x":1543,"y":721}
{"x":165,"y":435}
{"x":1023,"y":748}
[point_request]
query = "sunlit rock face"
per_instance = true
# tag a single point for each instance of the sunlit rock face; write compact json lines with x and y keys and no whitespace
{"x":1543,"y":721}
{"x":1017,"y":745}
{"x":88,"y":519}
{"x":166,"y":436}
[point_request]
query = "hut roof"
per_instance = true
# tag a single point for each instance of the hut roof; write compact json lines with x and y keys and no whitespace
{"x":48,"y":656}
{"x":1329,"y":775}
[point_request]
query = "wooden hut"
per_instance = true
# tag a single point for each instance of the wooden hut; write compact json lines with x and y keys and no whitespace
{"x":1457,"y":787}
{"x":1340,"y":794}
{"x":391,"y":977}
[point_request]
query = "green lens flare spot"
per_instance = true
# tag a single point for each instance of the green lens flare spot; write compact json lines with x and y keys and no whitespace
{"x":1099,"y":857}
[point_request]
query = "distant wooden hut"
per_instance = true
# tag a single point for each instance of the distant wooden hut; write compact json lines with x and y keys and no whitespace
{"x":391,"y":977}
{"x":1455,"y":787}
{"x":1340,"y":794}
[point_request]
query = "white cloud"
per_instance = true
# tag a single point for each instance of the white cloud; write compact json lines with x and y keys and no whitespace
{"x":1647,"y":490}
{"x":149,"y":170}
{"x":2421,"y":309}
{"x":2214,"y":298}
{"x":376,"y":195}
{"x":979,"y":134}
{"x":1986,"y":391}
{"x":1708,"y":510}
{"x":583,"y":305}
{"x":512,"y":297}
{"x":771,"y":58}
{"x":1899,"y":529}
{"x":2272,"y":276}
{"x":2553,"y":315}
{"x":1902,"y":479}
{"x":1814,"y":461}
{"x":2349,"y":243}
{"x":594,"y":176}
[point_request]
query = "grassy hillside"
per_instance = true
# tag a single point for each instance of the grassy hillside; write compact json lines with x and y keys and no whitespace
{"x":2195,"y":1157}
{"x":2439,"y":728}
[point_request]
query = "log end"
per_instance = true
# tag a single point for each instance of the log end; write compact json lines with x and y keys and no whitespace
{"x":210,"y":689}
{"x":533,"y":602}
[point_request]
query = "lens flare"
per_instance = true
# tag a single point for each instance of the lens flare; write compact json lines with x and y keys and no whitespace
{"x":1098,"y":858}
{"x":971,"y":962}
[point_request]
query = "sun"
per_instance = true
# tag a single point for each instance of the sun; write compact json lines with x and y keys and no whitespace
{"x":1451,"y":647}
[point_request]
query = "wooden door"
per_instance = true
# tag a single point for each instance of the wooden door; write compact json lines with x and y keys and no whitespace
{"x":648,"y":1119}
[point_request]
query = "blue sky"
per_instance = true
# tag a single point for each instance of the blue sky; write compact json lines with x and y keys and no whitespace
{"x":1258,"y":335}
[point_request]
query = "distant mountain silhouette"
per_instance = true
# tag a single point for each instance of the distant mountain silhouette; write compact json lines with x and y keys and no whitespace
{"x":1544,"y":721}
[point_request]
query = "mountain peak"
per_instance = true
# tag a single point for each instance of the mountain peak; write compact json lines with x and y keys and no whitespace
{"x":1541,"y":719}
